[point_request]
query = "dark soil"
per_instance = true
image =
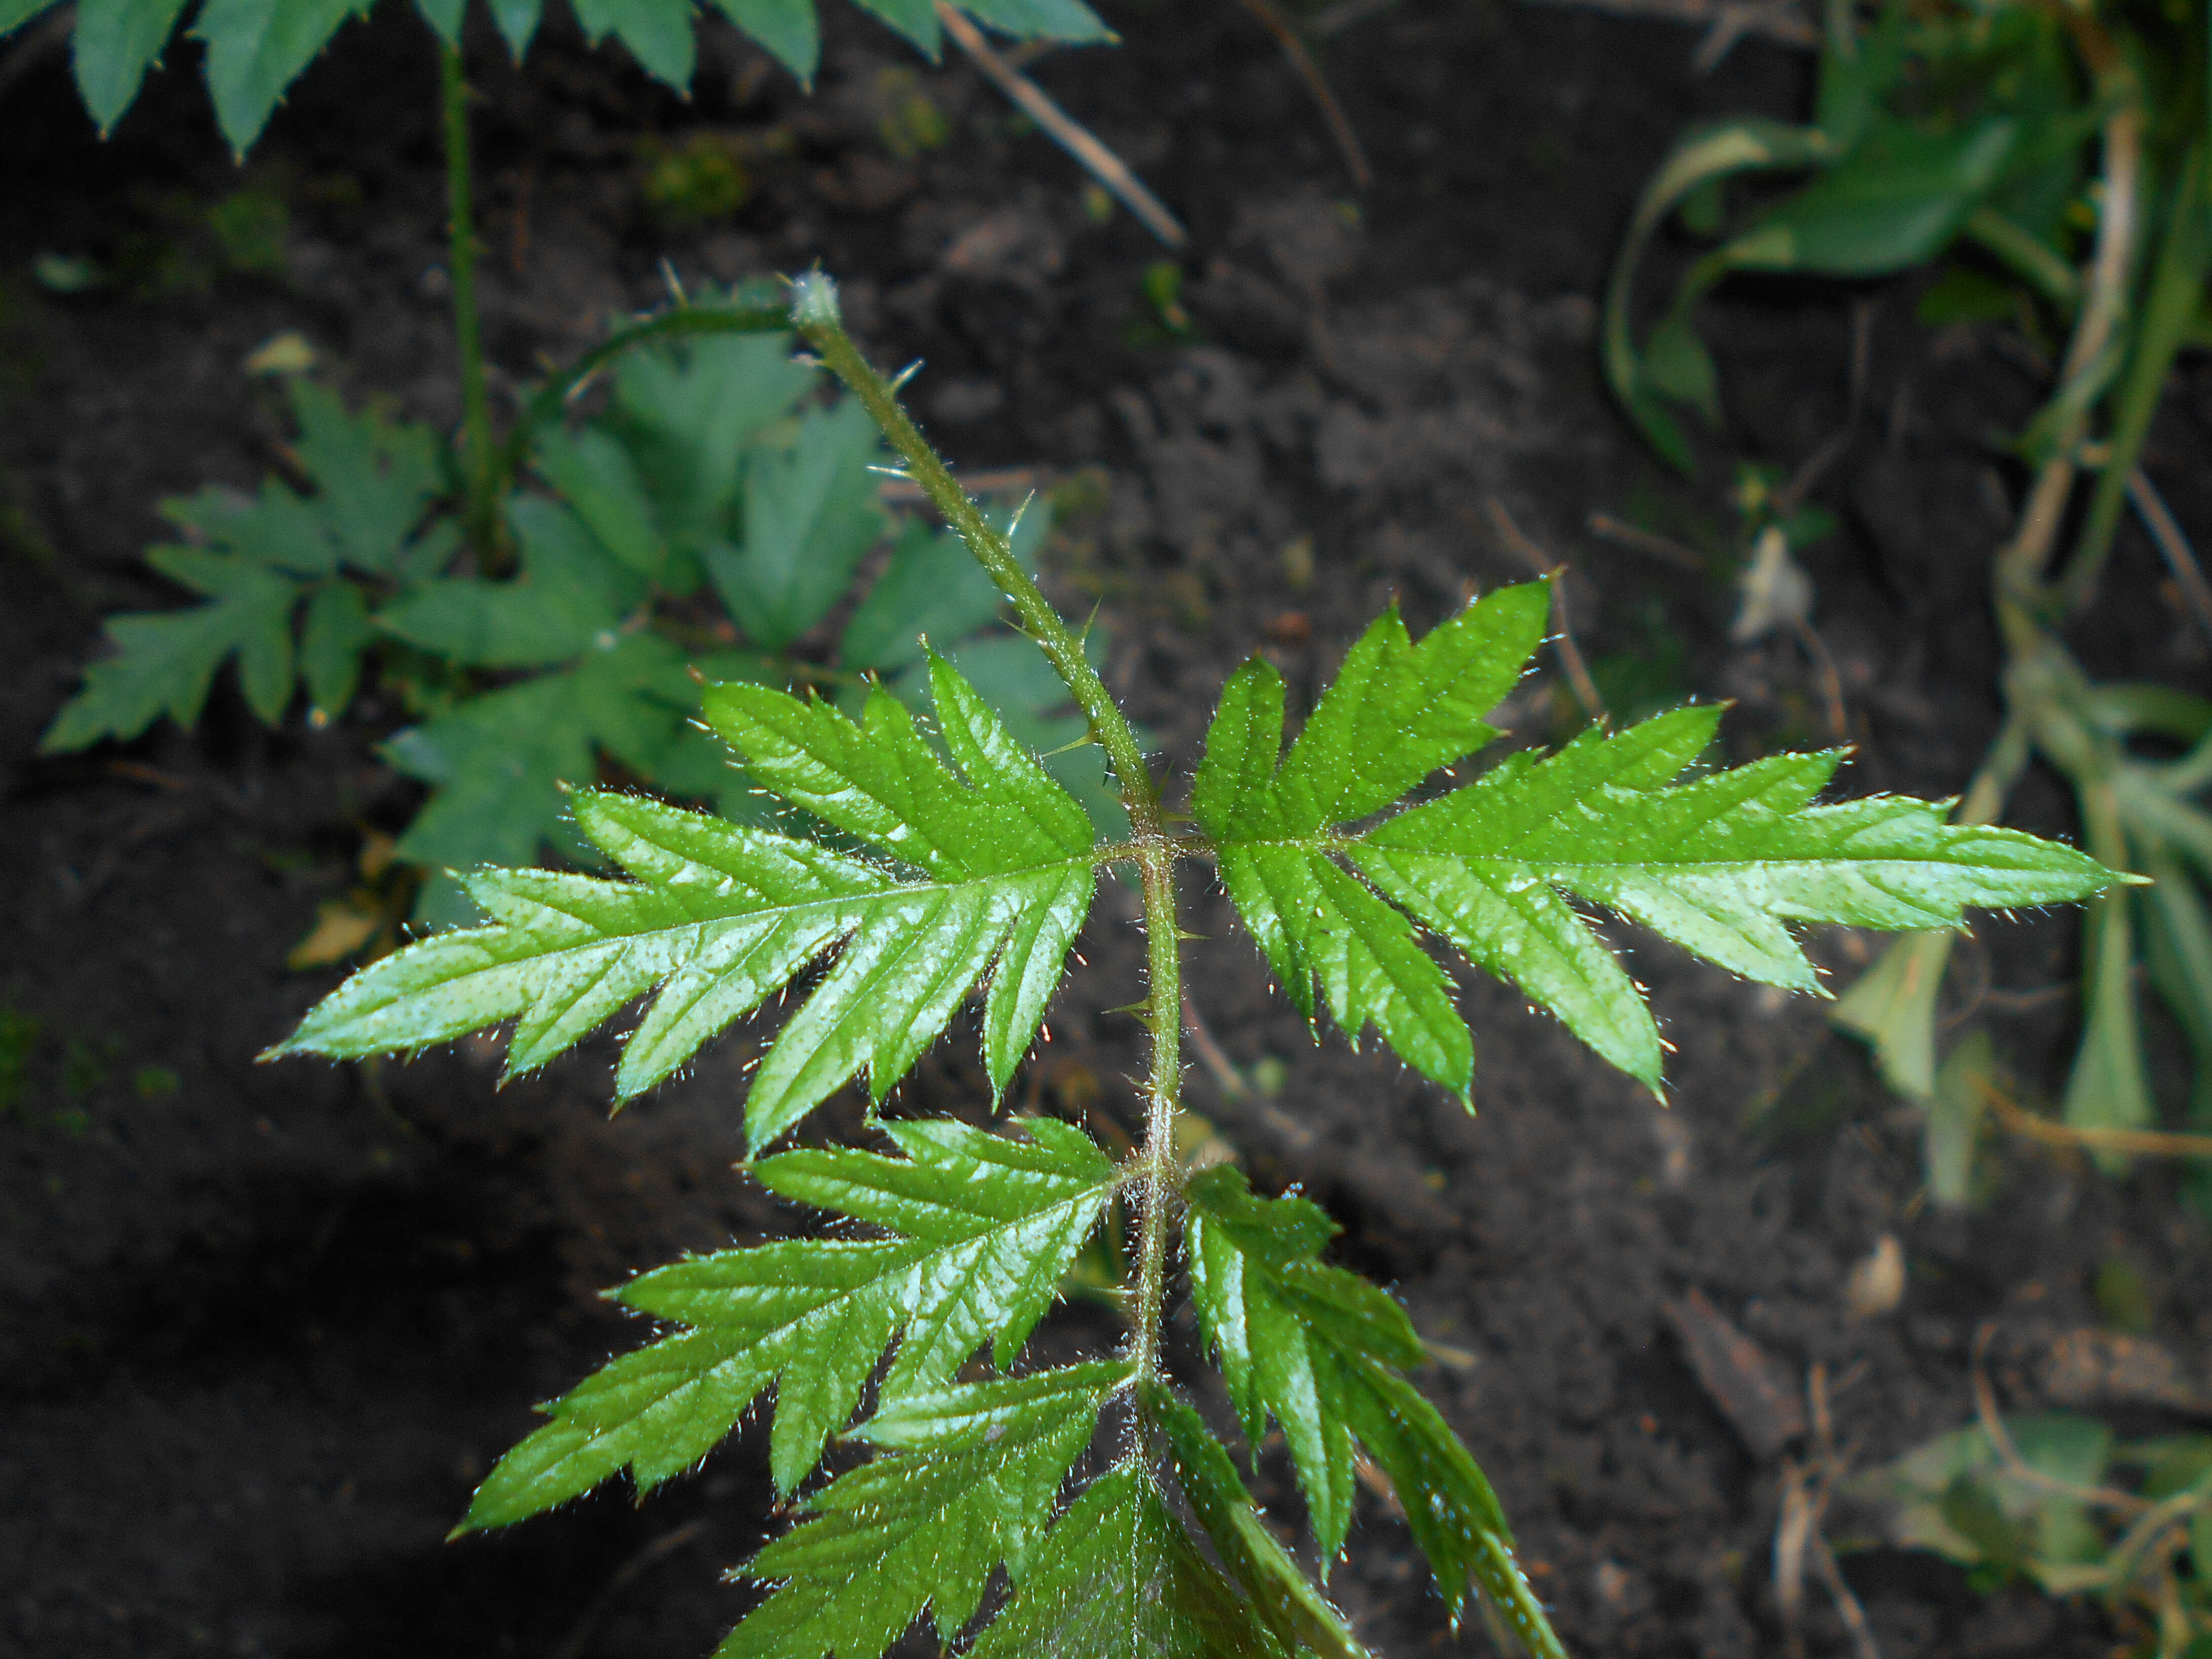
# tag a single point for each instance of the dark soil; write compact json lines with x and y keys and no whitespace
{"x":260,"y":1333}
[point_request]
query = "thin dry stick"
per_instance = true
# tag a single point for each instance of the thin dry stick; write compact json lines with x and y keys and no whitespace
{"x":1815,"y":467}
{"x":1642,"y":541}
{"x":1792,"y":1531}
{"x":1726,"y":22}
{"x":1223,"y":1070}
{"x":2020,"y":563}
{"x":2172,"y":545}
{"x":2000,"y":1438}
{"x":1570,"y":656}
{"x":1847,"y":1604}
{"x":1065,"y":130}
{"x":1730,"y":24}
{"x":1334,"y":20}
{"x":1832,"y":683}
{"x":2151,"y":1142}
{"x":1340,"y":125}
{"x":1233,"y":1087}
{"x":1831,"y":1466}
{"x":667,"y":1544}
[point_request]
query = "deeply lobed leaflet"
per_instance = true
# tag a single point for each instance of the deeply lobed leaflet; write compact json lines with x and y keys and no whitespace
{"x":938,"y":862}
{"x":255,"y":49}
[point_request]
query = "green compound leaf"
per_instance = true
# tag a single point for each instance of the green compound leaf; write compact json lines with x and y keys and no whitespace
{"x":498,"y":762}
{"x":336,"y":632}
{"x":571,"y":597}
{"x":657,"y":31}
{"x":1117,"y":1577}
{"x":1315,"y":1346}
{"x":1296,"y":1614}
{"x":979,"y":1229}
{"x":1395,"y":713}
{"x":1055,"y":19}
{"x":117,"y":41}
{"x":810,"y":517}
{"x":599,"y":478}
{"x":518,"y":22}
{"x":256,"y":49}
{"x":374,"y":477}
{"x":1007,"y":1218}
{"x":1281,"y":1322}
{"x":934,"y":589}
{"x":787,"y":27}
{"x":164,"y":663}
{"x":964,"y":1482}
{"x":687,"y":418}
{"x":1721,"y":865}
{"x":720,"y":917}
{"x":259,"y":555}
{"x":14,"y":13}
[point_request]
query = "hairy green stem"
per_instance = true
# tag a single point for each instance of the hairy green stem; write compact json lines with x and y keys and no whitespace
{"x":814,"y":313}
{"x":480,"y":520}
{"x":1162,"y":1174}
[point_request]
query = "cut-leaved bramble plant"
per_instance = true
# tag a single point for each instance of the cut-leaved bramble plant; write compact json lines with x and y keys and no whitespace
{"x":942,"y":860}
{"x":699,"y":527}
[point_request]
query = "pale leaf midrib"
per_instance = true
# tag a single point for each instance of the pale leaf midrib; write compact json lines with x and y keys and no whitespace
{"x":894,"y":891}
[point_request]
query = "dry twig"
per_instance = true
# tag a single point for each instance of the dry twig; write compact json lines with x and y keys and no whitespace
{"x":1725,"y":22}
{"x":1661,"y":548}
{"x":1832,"y":683}
{"x":667,"y":1544}
{"x":2150,"y":1143}
{"x":1334,"y":20}
{"x":1340,"y":125}
{"x":1063,"y":129}
{"x":1232,"y":1087}
{"x":1797,"y":1536}
{"x":1570,"y":656}
{"x":2000,"y":1438}
{"x":2173,"y":546}
{"x":1847,"y":1604}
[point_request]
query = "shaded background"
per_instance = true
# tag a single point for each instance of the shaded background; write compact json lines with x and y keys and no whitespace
{"x":262,"y":1328}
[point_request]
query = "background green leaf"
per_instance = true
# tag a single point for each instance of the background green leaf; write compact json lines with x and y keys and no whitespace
{"x":810,"y":517}
{"x":657,"y":31}
{"x":116,"y":42}
{"x":256,"y":49}
{"x":164,"y":662}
